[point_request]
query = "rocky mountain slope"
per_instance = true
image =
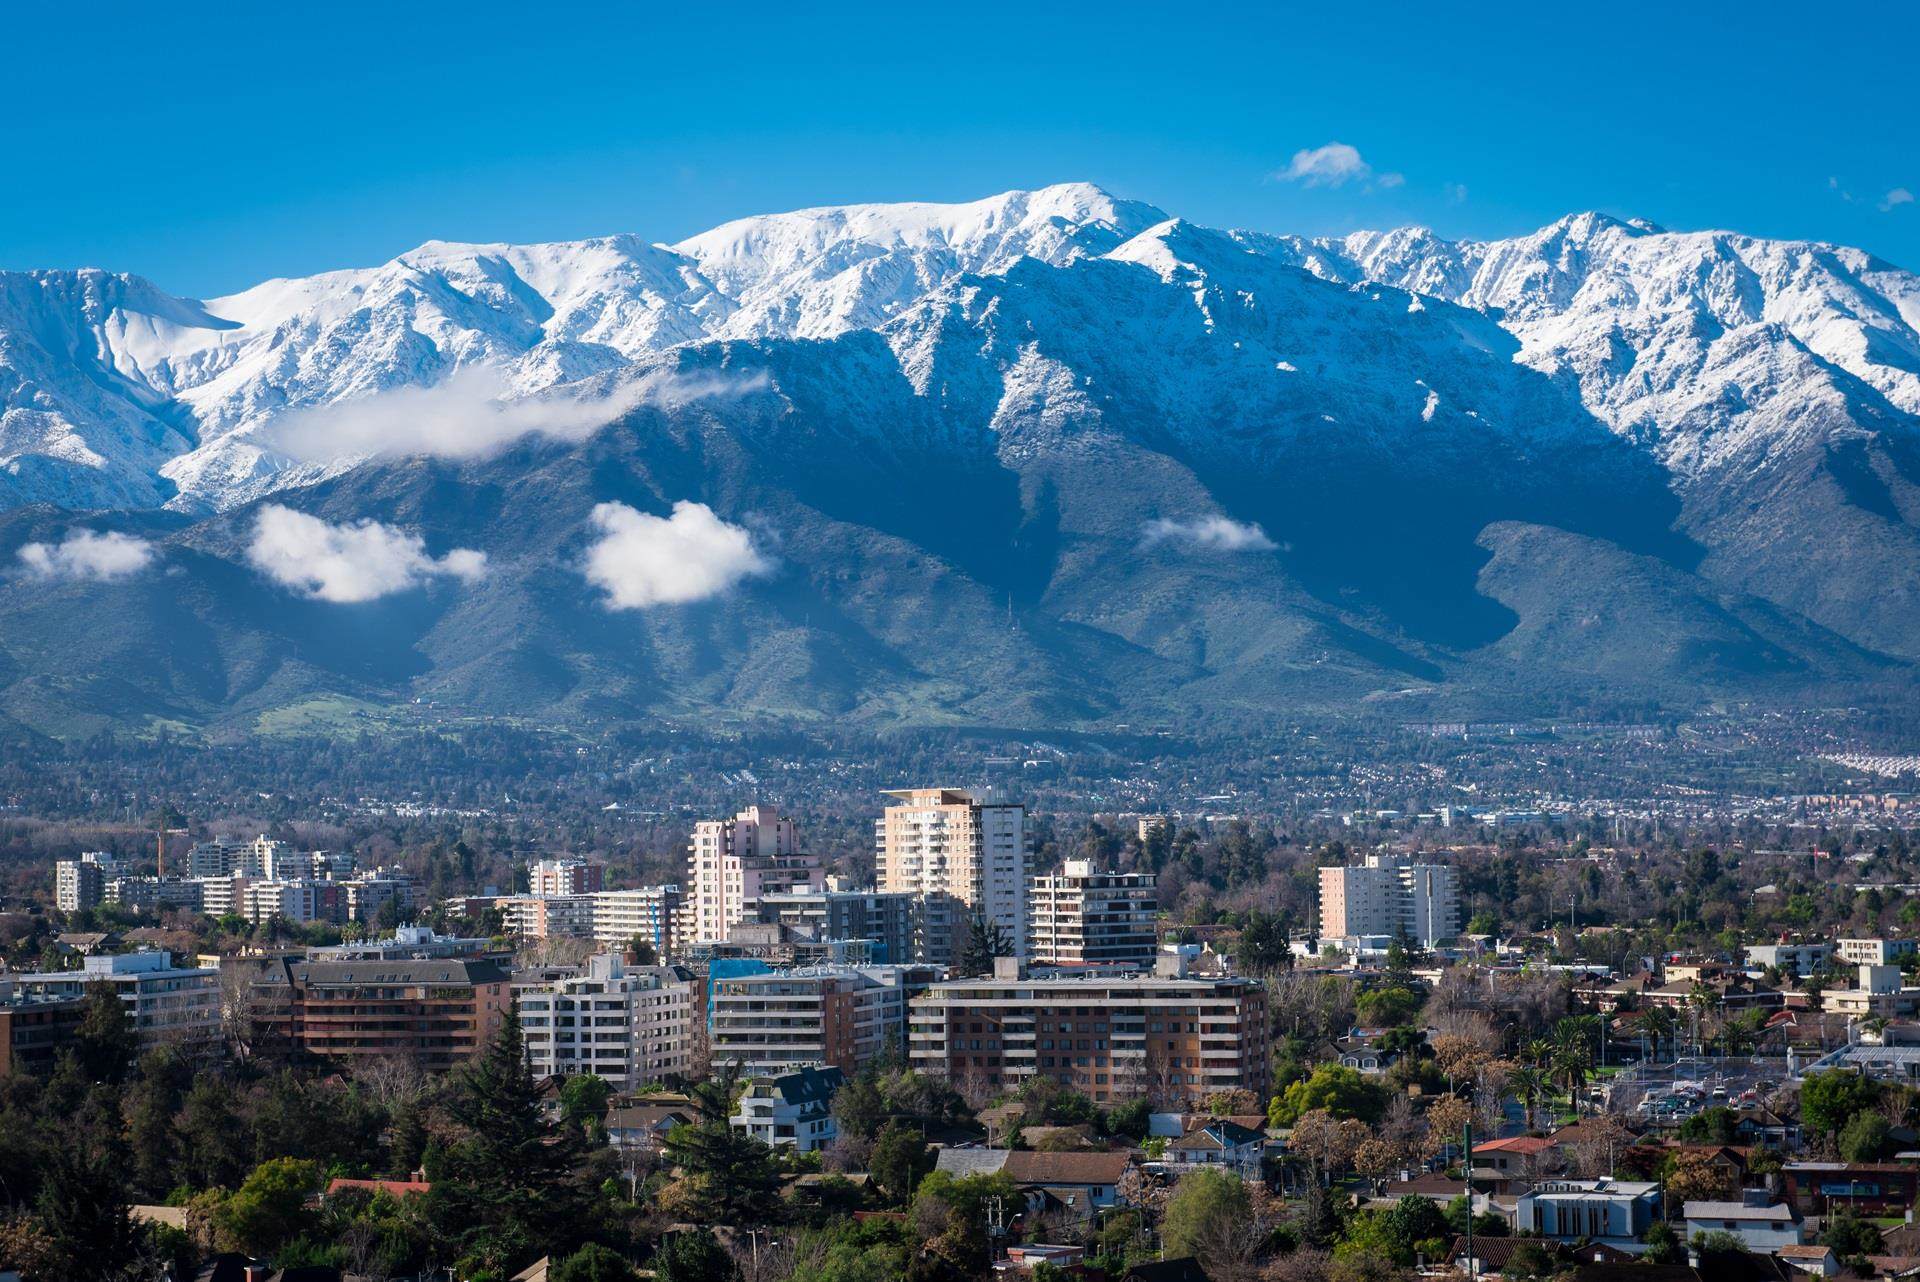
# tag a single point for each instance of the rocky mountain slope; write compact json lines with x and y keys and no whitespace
{"x":1047,"y":459}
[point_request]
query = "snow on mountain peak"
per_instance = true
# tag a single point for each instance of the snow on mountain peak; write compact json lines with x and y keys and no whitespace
{"x":1703,"y":343}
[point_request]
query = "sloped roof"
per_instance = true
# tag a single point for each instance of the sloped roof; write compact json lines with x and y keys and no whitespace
{"x":1066,"y":1168}
{"x":972,"y":1161}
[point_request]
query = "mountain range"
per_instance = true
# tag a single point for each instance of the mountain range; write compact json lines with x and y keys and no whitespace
{"x":1050,"y":459}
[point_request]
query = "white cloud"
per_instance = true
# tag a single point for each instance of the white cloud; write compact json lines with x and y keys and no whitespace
{"x":469,"y":415}
{"x":85,"y":554}
{"x":1208,"y":533}
{"x":1334,"y":165}
{"x":1898,"y":196}
{"x":641,"y":560}
{"x":1456,"y":192}
{"x":357,"y":561}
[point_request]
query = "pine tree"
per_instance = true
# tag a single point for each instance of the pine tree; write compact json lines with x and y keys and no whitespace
{"x":725,"y":1176}
{"x":105,"y":1041}
{"x":83,"y":1210}
{"x":984,"y":942}
{"x":512,"y":1188}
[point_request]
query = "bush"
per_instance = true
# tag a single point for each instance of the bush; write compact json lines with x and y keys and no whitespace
{"x":592,"y":1263}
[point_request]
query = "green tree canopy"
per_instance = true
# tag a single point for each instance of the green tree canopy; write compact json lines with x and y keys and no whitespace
{"x":1342,"y":1091}
{"x":694,"y":1255}
{"x":105,"y":1042}
{"x":1202,"y":1203}
{"x":726,"y":1176}
{"x":592,"y":1263}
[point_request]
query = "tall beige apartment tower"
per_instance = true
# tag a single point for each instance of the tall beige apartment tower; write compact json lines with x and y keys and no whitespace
{"x":962,"y":856}
{"x":1390,"y":895}
{"x":733,"y":862}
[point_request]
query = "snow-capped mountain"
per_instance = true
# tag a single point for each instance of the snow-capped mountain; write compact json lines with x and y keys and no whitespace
{"x":1712,"y":347}
{"x":1044,"y":459}
{"x":116,"y":394}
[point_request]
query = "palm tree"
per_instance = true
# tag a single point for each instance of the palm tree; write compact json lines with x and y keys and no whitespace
{"x":1660,"y":1023}
{"x":1572,"y":1054}
{"x":1528,"y":1083}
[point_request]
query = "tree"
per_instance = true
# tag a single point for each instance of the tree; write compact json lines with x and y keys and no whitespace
{"x":592,"y":1263}
{"x":900,"y":1159}
{"x":1717,"y":1242}
{"x":1851,"y":1237}
{"x":726,"y":1175}
{"x":1341,"y":1091}
{"x":1529,"y":1260}
{"x":1387,"y":1007}
{"x":694,"y":1255}
{"x":269,"y":1209}
{"x":213,"y":1141}
{"x":1863,"y":1138}
{"x":105,"y":1042}
{"x":1710,"y":1126}
{"x":859,"y":1109}
{"x":984,"y":941}
{"x":1447,"y":1119}
{"x":1377,"y":1160}
{"x":1663,"y":1244}
{"x":1328,"y":1143}
{"x":1829,"y":1100}
{"x":82,"y":1212}
{"x":583,"y":1099}
{"x":1202,"y":1203}
{"x":509,"y":1190}
{"x":1695,"y":1177}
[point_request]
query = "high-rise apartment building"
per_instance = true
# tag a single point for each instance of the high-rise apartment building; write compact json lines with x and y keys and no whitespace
{"x":1172,"y":1037}
{"x":647,"y":913}
{"x":554,"y":877}
{"x":837,"y":913}
{"x":1080,"y":917}
{"x":629,"y":1025}
{"x":733,"y":863}
{"x":1390,"y":895}
{"x":963,"y":857}
{"x":82,"y":883}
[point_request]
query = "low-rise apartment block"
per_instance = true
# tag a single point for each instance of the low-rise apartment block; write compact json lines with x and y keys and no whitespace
{"x":436,"y":1012}
{"x":1872,"y":952}
{"x":771,"y":1021}
{"x":34,"y":1030}
{"x":1799,"y":960}
{"x":793,"y":1110}
{"x":1170,"y":1036}
{"x":170,"y":1005}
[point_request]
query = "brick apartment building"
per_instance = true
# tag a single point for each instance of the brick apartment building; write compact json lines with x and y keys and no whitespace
{"x":437,"y":1011}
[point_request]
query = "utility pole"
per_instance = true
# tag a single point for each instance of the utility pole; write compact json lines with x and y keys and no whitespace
{"x":996,"y":1228}
{"x":1467,"y":1166}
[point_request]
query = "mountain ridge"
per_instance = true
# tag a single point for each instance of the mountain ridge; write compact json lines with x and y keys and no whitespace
{"x":1045,"y":459}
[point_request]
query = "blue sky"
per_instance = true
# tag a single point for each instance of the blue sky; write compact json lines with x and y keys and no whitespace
{"x":208,"y":147}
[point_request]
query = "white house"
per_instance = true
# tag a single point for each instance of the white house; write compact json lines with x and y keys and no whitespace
{"x":1761,"y":1223}
{"x":794,"y":1109}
